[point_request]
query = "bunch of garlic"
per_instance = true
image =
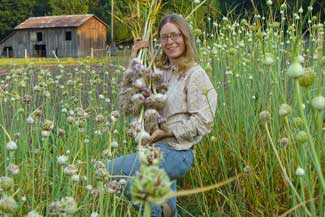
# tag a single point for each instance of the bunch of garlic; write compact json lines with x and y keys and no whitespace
{"x":143,"y":96}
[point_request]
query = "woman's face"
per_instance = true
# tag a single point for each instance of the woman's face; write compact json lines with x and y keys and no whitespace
{"x":172,"y":41}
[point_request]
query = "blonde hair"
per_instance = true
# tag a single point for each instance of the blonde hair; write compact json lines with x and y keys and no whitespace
{"x":189,"y":57}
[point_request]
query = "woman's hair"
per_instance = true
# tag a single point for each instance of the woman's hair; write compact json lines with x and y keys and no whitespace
{"x":188,"y":59}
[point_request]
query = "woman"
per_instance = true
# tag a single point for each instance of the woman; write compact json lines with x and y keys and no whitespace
{"x":189,"y":110}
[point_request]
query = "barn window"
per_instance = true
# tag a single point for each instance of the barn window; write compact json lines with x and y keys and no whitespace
{"x":33,"y":36}
{"x":68,"y":36}
{"x":39,"y":36}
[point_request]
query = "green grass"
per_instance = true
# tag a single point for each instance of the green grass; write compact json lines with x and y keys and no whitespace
{"x":63,"y":61}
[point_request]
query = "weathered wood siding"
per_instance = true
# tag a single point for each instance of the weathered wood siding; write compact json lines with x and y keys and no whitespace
{"x":92,"y":34}
{"x":53,"y":39}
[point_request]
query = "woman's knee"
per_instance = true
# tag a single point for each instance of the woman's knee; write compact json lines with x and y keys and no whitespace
{"x":124,"y":165}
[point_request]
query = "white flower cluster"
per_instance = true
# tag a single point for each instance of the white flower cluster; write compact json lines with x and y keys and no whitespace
{"x":8,"y":205}
{"x":64,"y":207}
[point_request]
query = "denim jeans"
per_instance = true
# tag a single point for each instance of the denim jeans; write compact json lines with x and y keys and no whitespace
{"x":176,"y":163}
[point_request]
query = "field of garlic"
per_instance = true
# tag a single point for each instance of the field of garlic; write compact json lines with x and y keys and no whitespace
{"x":60,"y":127}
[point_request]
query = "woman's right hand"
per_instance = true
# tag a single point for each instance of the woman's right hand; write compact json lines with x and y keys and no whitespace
{"x":139,"y":43}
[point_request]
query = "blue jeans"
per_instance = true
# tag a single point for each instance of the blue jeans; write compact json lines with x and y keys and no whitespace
{"x":175,"y":163}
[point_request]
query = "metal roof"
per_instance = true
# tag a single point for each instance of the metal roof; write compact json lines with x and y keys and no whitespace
{"x":56,"y":21}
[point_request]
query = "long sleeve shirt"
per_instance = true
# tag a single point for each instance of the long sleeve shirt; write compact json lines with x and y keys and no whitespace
{"x":190,"y":107}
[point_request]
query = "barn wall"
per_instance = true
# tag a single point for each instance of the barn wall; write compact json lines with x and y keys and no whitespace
{"x":92,"y":34}
{"x":53,"y":39}
{"x":18,"y":43}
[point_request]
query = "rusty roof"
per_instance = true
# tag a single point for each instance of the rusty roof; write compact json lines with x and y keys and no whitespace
{"x":56,"y":21}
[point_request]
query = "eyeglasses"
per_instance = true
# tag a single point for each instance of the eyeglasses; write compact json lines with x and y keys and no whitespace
{"x":173,"y":36}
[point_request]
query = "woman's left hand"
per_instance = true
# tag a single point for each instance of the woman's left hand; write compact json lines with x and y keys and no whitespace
{"x":158,"y":134}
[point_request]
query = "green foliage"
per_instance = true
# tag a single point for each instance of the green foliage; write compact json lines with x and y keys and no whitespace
{"x":65,"y":7}
{"x":14,"y":12}
{"x":42,"y":8}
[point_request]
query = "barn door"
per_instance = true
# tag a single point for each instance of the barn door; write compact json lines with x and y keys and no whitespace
{"x":7,"y":52}
{"x":40,"y":50}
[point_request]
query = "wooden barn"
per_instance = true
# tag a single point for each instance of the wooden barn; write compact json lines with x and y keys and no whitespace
{"x":66,"y":36}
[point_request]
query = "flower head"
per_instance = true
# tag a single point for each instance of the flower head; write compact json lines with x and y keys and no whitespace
{"x":300,"y":171}
{"x":150,"y":156}
{"x":11,"y":146}
{"x":284,"y":110}
{"x":62,"y":159}
{"x":6,"y":183}
{"x":8,"y":205}
{"x":13,"y":169}
{"x":264,"y":116}
{"x":70,"y":170}
{"x":151,"y":184}
{"x":113,"y":187}
{"x":318,"y":102}
{"x":33,"y":213}
{"x":295,"y":70}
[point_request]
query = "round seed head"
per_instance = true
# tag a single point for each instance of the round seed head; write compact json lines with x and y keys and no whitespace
{"x":11,"y":146}
{"x":300,"y":171}
{"x":13,"y":169}
{"x":61,"y":132}
{"x":300,"y":59}
{"x":45,"y":133}
{"x":284,"y":141}
{"x":318,"y":102}
{"x":308,"y":78}
{"x":30,"y":120}
{"x":61,"y":160}
{"x":6,"y":183}
{"x":33,"y":214}
{"x":100,"y":118}
{"x":151,"y":184}
{"x":75,"y":178}
{"x":27,"y":99}
{"x":94,"y":214}
{"x":113,"y":187}
{"x":301,"y":137}
{"x":8,"y":205}
{"x":295,"y":70}
{"x":70,"y":120}
{"x":70,"y":170}
{"x":298,"y":122}
{"x":268,"y":59}
{"x":150,"y":156}
{"x":47,"y":125}
{"x":68,"y":205}
{"x":284,"y":110}
{"x":115,"y":144}
{"x":264,"y":116}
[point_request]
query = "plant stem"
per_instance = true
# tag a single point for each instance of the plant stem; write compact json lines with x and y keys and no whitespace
{"x":283,"y":169}
{"x":312,"y":145}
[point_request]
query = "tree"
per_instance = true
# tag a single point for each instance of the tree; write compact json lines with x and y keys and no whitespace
{"x":13,"y":12}
{"x":42,"y":8}
{"x":66,"y":7}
